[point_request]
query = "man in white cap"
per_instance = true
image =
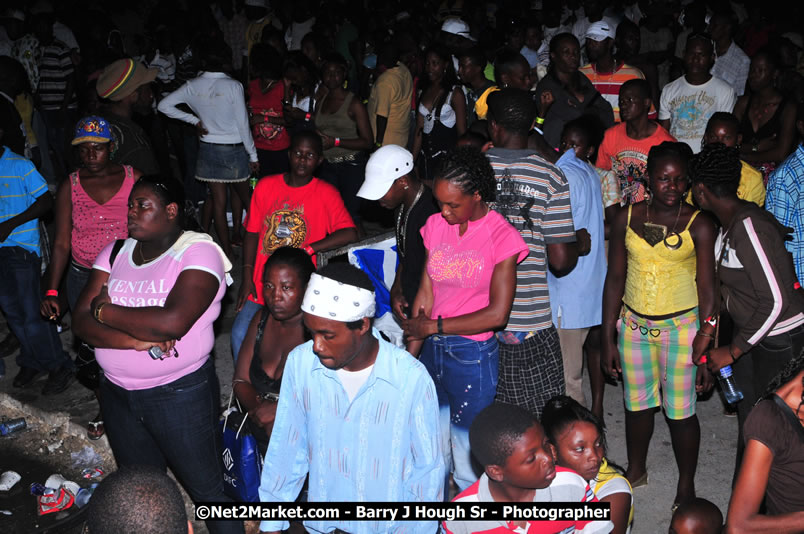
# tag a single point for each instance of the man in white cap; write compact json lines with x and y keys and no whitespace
{"x":605,"y":72}
{"x":390,"y":179}
{"x":357,"y":413}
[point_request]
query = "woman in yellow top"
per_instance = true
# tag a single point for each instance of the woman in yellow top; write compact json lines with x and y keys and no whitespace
{"x":660,"y":281}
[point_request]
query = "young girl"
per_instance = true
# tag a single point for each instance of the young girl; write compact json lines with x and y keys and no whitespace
{"x":579,"y":443}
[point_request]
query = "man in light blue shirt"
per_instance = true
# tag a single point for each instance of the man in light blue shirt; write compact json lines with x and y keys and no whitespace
{"x":355,"y":412}
{"x":577,"y":298}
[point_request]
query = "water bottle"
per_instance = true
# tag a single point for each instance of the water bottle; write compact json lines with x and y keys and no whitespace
{"x":12,"y":425}
{"x":84,"y":494}
{"x":252,"y":180}
{"x":729,"y":387}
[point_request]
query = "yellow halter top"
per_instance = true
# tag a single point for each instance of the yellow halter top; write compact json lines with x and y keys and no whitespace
{"x":660,"y":281}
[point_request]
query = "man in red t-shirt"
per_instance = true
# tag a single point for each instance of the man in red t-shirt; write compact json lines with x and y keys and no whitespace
{"x":293,"y":209}
{"x":626,"y":145}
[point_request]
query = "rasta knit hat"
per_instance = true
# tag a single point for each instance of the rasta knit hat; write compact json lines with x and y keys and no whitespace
{"x":123,"y":77}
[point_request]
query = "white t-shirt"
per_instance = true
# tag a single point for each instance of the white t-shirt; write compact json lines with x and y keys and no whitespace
{"x":689,"y":107}
{"x":352,"y":381}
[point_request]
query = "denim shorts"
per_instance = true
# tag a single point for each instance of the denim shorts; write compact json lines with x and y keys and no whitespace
{"x":221,"y":163}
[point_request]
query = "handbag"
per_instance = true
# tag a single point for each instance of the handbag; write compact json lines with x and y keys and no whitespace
{"x":87,"y":370}
{"x":242,"y":465}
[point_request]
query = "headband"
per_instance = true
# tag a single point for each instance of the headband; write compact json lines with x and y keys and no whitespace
{"x":330,"y":299}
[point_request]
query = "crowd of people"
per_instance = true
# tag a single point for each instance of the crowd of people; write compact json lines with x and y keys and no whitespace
{"x":572,"y":185}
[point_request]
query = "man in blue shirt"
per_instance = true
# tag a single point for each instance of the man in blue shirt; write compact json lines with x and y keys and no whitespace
{"x":357,"y":413}
{"x":24,"y":198}
{"x":785,"y":197}
{"x":577,"y":298}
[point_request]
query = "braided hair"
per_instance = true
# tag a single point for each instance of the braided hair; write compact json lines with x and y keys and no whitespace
{"x":718,"y":167}
{"x":469,"y":169}
{"x":793,"y":367}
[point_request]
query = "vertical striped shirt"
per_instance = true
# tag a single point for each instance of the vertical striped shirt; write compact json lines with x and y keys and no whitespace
{"x":20,"y":186}
{"x":533,"y":195}
{"x":383,"y":445}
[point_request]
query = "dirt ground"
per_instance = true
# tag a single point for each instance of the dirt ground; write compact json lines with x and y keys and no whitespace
{"x":63,"y":418}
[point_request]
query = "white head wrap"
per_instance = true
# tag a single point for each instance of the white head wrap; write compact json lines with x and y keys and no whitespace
{"x":330,"y":299}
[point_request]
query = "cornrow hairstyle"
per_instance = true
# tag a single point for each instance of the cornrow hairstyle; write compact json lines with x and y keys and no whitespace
{"x":468,"y":168}
{"x":562,"y":411}
{"x":718,"y":167}
{"x":793,"y":367}
{"x":725,"y":118}
{"x":496,"y":430}
{"x":668,"y":149}
{"x":513,"y":109}
{"x":295,"y":258}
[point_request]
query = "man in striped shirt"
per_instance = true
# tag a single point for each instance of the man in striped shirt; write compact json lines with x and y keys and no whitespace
{"x":55,"y":95}
{"x":519,"y":468}
{"x":24,"y":198}
{"x":533,"y":195}
{"x":605,"y":72}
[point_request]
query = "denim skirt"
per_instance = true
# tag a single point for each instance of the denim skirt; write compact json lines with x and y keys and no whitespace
{"x":221,"y":163}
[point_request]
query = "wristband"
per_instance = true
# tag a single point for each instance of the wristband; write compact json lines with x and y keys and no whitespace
{"x":711,"y":320}
{"x":98,"y":311}
{"x":337,"y":141}
{"x":540,"y":120}
{"x":440,"y":323}
{"x":307,"y":117}
{"x":51,"y":293}
{"x":733,"y":359}
{"x":309,"y":250}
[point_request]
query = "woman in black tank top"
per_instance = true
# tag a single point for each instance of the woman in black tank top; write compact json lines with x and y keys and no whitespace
{"x":767,"y":119}
{"x":271,"y":336}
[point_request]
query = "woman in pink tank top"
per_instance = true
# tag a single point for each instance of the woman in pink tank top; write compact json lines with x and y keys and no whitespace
{"x":91,"y":212}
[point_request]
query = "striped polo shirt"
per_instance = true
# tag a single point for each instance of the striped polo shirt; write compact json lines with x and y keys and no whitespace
{"x":608,"y":84}
{"x":20,"y":186}
{"x":533,"y":195}
{"x":55,"y":68}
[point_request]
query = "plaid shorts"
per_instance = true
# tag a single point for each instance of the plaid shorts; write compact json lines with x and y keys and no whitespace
{"x":531,"y":372}
{"x":658,"y":353}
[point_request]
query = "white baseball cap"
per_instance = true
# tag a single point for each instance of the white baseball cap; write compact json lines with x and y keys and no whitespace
{"x":383,"y":168}
{"x":600,"y":31}
{"x":456,"y":26}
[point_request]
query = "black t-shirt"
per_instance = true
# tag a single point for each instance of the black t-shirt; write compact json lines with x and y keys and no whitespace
{"x":413,"y":261}
{"x":132,"y":145}
{"x":768,"y":424}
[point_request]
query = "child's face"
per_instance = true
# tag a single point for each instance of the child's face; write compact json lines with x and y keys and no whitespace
{"x":721,"y":133}
{"x":580,"y":448}
{"x":304,"y":158}
{"x":531,"y":464}
{"x":576,"y":140}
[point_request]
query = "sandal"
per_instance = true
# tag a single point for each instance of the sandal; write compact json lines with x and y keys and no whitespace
{"x":95,"y":428}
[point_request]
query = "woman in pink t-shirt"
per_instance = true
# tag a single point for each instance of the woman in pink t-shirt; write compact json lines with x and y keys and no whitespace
{"x":466,"y":293}
{"x":149,"y":311}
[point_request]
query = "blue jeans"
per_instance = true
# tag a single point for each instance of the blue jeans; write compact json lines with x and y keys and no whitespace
{"x":174,"y":425}
{"x":77,"y":278}
{"x":40,"y":346}
{"x":240,"y":326}
{"x":465,"y":376}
